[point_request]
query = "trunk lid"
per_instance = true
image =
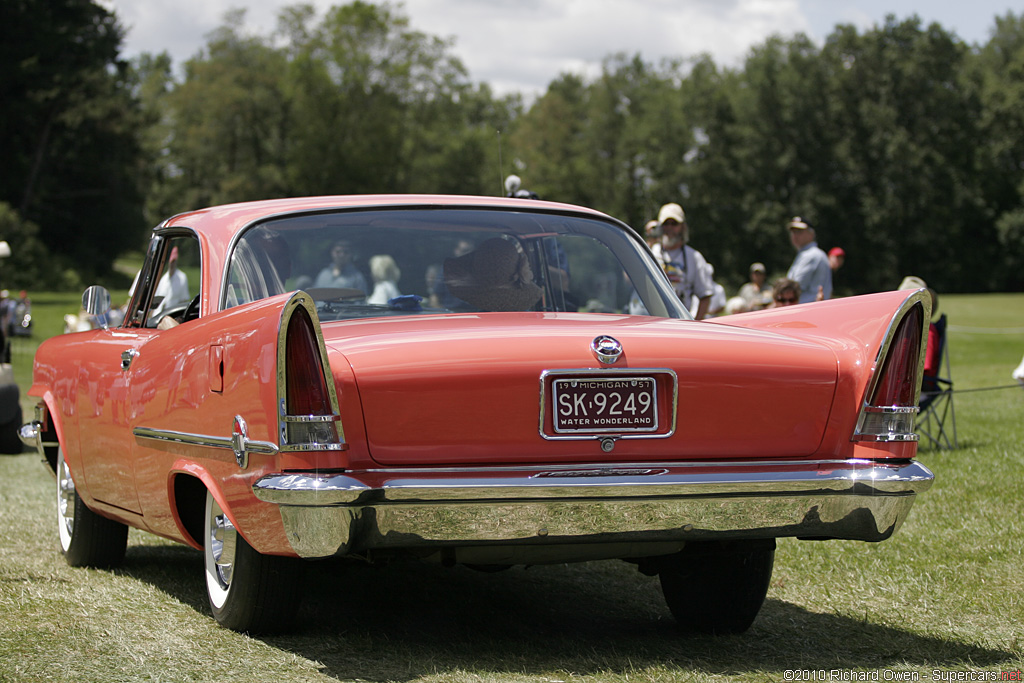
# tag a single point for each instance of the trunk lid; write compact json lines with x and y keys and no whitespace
{"x":466,"y":389}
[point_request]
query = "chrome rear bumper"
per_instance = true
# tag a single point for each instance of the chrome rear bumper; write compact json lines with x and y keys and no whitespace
{"x":342,"y":513}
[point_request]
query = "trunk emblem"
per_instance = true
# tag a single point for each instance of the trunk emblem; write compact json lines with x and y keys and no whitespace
{"x":607,"y":349}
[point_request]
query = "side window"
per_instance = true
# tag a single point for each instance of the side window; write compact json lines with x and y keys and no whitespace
{"x":260,"y":266}
{"x":175,"y":283}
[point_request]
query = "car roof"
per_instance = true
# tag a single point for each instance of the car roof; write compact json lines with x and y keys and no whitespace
{"x":223,"y":222}
{"x":218,"y":226}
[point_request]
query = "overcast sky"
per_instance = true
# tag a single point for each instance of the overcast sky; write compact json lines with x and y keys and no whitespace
{"x":523,"y":45}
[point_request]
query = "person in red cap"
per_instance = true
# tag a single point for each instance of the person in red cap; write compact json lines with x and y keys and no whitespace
{"x":836,"y":258}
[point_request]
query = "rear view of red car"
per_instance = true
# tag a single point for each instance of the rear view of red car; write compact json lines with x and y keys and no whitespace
{"x":421,"y":378}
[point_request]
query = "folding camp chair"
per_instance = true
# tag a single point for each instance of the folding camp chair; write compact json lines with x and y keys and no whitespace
{"x":936,"y":402}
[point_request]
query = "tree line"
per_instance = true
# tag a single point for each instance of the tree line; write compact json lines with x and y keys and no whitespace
{"x":902,"y":143}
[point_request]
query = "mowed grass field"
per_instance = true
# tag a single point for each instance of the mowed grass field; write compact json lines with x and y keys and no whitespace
{"x":941,"y":600}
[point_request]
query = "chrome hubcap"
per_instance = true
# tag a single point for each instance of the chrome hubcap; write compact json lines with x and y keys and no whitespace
{"x":65,"y":497}
{"x":222,"y":544}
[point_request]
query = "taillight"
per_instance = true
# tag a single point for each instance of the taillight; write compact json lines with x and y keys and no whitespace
{"x":891,"y":404}
{"x":308,"y":418}
{"x":306,"y":387}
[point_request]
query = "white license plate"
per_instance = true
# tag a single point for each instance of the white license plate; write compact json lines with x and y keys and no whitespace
{"x":605,"y":404}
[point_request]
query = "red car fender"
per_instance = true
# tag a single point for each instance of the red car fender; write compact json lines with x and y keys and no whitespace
{"x":857,"y":335}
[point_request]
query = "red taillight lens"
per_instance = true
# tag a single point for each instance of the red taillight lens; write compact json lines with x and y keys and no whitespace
{"x":888,"y":412}
{"x":898,"y":383}
{"x":309,"y":422}
{"x":306,"y":387}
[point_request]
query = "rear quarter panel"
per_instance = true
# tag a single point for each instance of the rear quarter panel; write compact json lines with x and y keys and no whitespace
{"x":172,"y":386}
{"x":181,"y":390}
{"x":854,"y":328}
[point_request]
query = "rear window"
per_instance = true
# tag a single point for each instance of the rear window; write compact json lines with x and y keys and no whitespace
{"x":414,"y":261}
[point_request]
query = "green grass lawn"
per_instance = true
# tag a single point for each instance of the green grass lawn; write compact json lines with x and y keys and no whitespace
{"x":943,"y":597}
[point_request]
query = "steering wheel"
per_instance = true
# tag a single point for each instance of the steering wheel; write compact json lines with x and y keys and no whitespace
{"x":191,"y":311}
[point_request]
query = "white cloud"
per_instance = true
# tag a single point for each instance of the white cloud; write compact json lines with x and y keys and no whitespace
{"x":522,"y":46}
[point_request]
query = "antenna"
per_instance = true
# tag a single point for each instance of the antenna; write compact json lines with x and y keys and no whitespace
{"x":501,"y":171}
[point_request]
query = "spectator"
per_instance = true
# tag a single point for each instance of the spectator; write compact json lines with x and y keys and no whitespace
{"x":172,"y":290}
{"x":685,"y":266}
{"x":652,"y":233}
{"x":514,"y":188}
{"x":385,"y":274}
{"x":810,"y":267}
{"x":836,"y":258}
{"x":6,"y":311}
{"x":785,"y":292}
{"x":736,"y":304}
{"x":718,"y":297}
{"x":756,"y":293}
{"x":341,"y":273}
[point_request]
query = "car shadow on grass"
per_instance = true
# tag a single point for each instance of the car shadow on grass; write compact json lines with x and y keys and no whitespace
{"x":405,"y":621}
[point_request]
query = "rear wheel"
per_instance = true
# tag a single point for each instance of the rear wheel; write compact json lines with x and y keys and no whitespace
{"x":86,"y":539}
{"x":718,"y":588}
{"x":248,"y":591}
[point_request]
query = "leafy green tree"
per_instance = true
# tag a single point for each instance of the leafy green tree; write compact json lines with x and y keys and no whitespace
{"x":231,"y":122}
{"x":377,"y":106}
{"x":27,"y":266}
{"x":548,"y":146}
{"x":998,"y":73}
{"x":909,"y":197}
{"x":69,"y":128}
{"x":153,"y":81}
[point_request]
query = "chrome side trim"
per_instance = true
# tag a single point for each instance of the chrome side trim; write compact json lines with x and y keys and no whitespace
{"x":205,"y":440}
{"x":672,"y":411}
{"x":341,"y":513}
{"x":311,"y":418}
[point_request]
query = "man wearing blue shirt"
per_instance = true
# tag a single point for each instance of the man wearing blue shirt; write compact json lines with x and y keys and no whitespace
{"x":810,"y":267}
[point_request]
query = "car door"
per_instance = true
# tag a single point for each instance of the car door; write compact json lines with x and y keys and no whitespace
{"x":114,"y":361}
{"x":101,"y":403}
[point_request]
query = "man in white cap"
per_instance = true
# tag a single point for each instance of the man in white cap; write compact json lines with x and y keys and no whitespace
{"x":686,"y":267}
{"x":810,"y":267}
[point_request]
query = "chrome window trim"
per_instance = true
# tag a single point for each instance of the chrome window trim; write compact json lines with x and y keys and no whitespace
{"x":599,"y":372}
{"x":145,"y":287}
{"x":659,"y":279}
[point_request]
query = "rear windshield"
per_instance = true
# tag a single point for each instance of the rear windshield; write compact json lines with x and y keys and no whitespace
{"x":412,"y":261}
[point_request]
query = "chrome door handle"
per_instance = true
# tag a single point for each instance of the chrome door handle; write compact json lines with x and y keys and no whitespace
{"x":127,"y":357}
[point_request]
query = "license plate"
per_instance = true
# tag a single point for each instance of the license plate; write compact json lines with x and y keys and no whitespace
{"x":605,"y":404}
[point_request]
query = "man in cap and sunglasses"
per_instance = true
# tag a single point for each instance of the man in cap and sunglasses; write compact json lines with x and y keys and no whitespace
{"x":686,"y":267}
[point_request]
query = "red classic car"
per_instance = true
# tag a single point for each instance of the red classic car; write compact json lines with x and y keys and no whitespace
{"x":423,"y":377}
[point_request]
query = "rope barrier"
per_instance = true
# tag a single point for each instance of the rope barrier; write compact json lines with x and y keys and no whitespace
{"x":986,"y":330}
{"x":969,"y":391}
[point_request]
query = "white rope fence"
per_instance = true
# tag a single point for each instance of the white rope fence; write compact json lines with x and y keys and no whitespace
{"x":985,"y":330}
